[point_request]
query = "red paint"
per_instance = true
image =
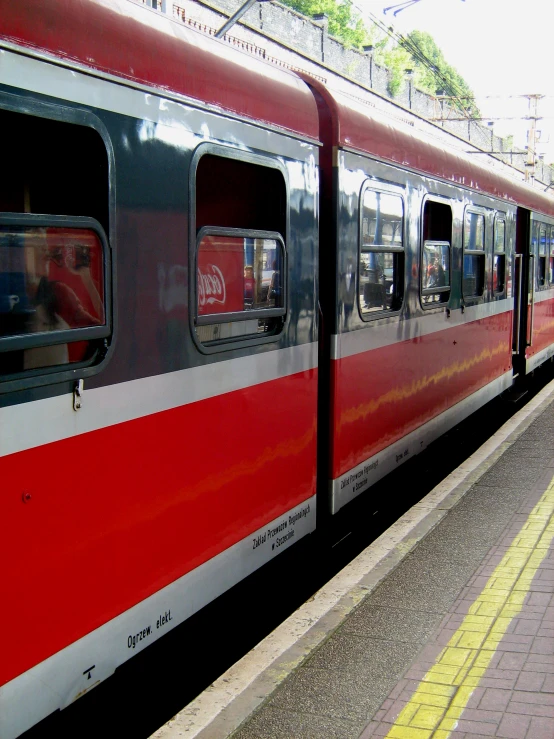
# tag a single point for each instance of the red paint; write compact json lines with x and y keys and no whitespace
{"x":361,"y":127}
{"x":119,"y":513}
{"x":381,"y":395}
{"x":220,"y":278}
{"x":543,"y":327}
{"x":141,"y":46}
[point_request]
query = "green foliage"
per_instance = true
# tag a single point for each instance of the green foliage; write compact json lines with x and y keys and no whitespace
{"x":443,"y":76}
{"x":344,"y":23}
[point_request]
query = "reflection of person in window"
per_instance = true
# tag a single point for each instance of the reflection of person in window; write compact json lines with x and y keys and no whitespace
{"x":432,"y":272}
{"x":56,"y":305}
{"x":249,"y":286}
{"x":441,"y":277}
{"x":274,"y":292}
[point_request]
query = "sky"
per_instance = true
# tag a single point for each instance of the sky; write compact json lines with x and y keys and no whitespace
{"x":502,"y":48}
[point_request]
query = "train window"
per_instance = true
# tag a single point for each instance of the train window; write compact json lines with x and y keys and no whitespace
{"x":435,"y":254}
{"x":381,"y":269}
{"x":541,"y":262}
{"x":241,"y":225}
{"x":231,"y":193}
{"x":436,"y":272}
{"x":551,"y":253}
{"x":55,"y":312}
{"x":240,"y":288}
{"x":499,"y":256}
{"x":52,"y":294}
{"x":53,"y":167}
{"x":473,"y":278}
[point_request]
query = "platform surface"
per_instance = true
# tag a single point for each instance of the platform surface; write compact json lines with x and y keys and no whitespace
{"x":443,"y":628}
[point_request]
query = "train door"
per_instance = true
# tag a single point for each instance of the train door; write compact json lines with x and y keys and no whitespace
{"x":522,"y":291}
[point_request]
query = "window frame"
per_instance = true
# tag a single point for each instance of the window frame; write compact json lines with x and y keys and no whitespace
{"x":268,"y":162}
{"x":423,"y":291}
{"x":500,"y":217}
{"x":56,"y":374}
{"x":381,"y":249}
{"x":245,"y":315}
{"x":542,"y":227}
{"x":475,"y":297}
{"x":21,"y":342}
{"x":551,"y":256}
{"x":447,"y":203}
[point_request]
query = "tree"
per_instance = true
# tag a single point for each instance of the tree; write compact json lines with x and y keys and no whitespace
{"x":438,"y":75}
{"x":417,"y":51}
{"x":344,"y":23}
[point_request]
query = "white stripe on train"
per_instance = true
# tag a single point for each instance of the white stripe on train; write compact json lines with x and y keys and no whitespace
{"x":33,"y":424}
{"x":68,"y":674}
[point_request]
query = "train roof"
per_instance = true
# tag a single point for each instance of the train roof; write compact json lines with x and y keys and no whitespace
{"x":124,"y":39}
{"x":356,"y":125}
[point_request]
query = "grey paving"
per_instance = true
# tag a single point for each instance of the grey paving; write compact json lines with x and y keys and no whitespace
{"x":356,"y":682}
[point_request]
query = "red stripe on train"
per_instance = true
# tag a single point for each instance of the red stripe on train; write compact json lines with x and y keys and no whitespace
{"x":118,"y":513}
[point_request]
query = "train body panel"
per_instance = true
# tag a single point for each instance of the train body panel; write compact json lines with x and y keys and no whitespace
{"x":272,"y":294}
{"x":385,"y":393}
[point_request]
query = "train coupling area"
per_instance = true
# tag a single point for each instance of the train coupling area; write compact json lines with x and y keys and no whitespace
{"x":443,"y":627}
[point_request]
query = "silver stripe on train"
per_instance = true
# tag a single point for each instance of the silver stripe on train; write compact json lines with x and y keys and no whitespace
{"x":359,"y":478}
{"x":40,"y":422}
{"x":393,"y":330}
{"x":542,"y":295}
{"x":537,"y":359}
{"x":171,"y":112}
{"x":62,"y":678}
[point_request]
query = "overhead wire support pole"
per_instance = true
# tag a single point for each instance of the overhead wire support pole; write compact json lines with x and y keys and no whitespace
{"x":532,"y":136}
{"x":234,"y":18}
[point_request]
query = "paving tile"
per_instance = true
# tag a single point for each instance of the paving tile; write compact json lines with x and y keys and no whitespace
{"x":513,"y":726}
{"x":532,"y":709}
{"x":530,"y":681}
{"x":544,"y":699}
{"x":512,"y":661}
{"x":495,"y":699}
{"x":540,"y":728}
{"x":476,"y":727}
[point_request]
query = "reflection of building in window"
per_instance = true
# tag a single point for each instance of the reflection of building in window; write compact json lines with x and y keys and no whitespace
{"x":381,"y":265}
{"x":499,"y":257}
{"x":473,"y":277}
{"x":237,"y":299}
{"x":435,"y":254}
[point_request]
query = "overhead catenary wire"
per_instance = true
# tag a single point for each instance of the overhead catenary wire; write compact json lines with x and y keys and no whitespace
{"x":418,"y":55}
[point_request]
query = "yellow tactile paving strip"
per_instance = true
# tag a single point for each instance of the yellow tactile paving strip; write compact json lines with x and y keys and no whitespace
{"x":442,"y":696}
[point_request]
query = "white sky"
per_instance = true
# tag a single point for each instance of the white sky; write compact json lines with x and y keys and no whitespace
{"x":500,"y":47}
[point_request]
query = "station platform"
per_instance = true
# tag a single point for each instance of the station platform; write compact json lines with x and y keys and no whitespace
{"x":443,"y":627}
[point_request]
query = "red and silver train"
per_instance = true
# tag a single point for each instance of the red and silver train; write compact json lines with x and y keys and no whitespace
{"x":213,"y":274}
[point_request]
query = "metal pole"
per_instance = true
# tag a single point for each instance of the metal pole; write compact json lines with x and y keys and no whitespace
{"x":234,"y":18}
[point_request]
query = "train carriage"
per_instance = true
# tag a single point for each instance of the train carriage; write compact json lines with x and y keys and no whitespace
{"x":157,"y":408}
{"x":416,"y":289}
{"x":230,"y":299}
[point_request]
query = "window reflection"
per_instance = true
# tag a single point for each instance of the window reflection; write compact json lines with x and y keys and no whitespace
{"x":50,"y":281}
{"x":238,"y":275}
{"x":436,"y":272}
{"x":381,"y":256}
